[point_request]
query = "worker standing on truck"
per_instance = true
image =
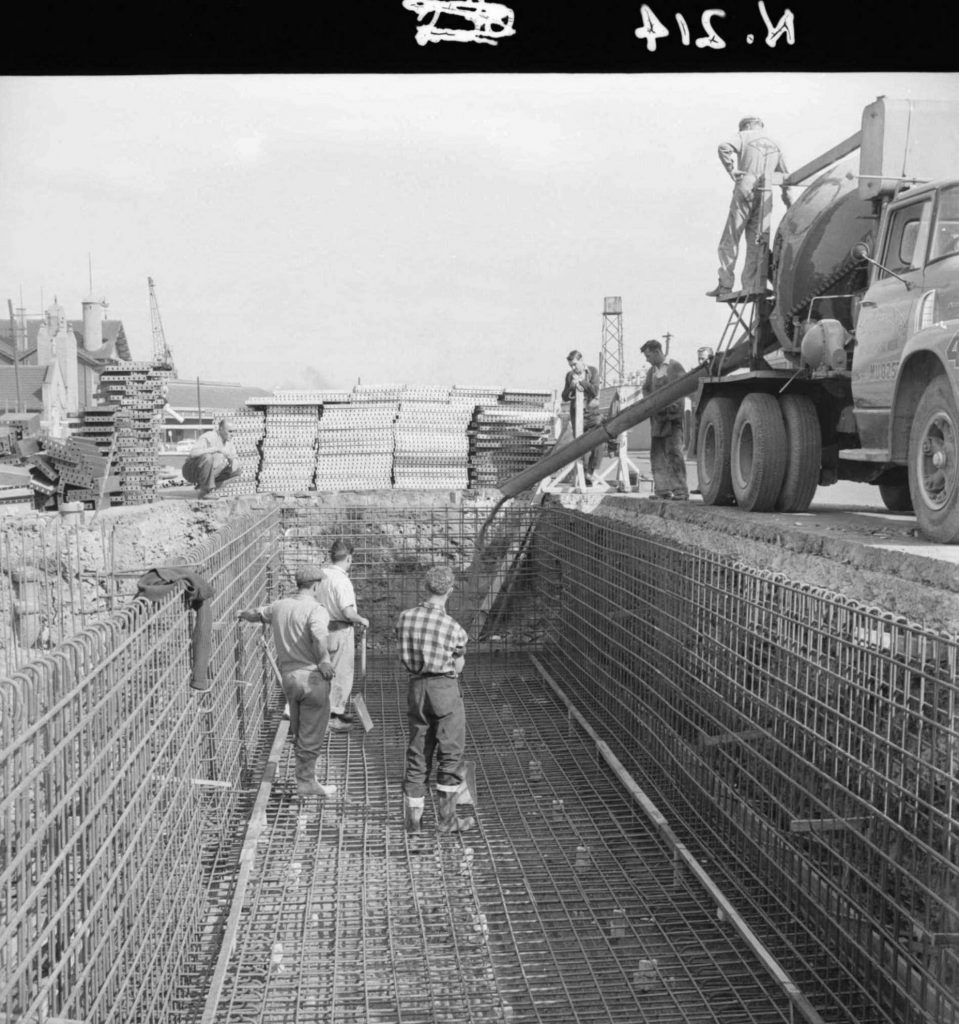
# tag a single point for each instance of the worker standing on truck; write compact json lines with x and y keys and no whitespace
{"x":667,"y":456}
{"x":338,"y":597}
{"x":212,"y":460}
{"x":582,"y":386}
{"x":300,"y":630}
{"x":432,"y":645}
{"x":750,"y":158}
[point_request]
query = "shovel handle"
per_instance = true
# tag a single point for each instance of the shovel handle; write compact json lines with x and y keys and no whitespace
{"x":363,"y":655}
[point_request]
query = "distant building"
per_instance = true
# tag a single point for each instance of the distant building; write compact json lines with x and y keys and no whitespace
{"x":197,"y":404}
{"x":79,"y":349}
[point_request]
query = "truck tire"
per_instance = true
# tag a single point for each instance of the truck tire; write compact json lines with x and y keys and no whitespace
{"x":713,"y":446}
{"x":934,"y":463}
{"x":757,"y":461}
{"x":803,"y":453}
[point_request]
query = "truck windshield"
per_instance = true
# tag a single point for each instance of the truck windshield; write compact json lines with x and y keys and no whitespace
{"x":945,"y":232}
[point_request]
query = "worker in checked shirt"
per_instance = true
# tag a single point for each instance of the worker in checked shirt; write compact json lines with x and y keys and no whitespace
{"x":432,"y":645}
{"x":337,"y":596}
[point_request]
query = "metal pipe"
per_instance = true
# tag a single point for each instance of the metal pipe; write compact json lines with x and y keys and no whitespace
{"x":735,"y":358}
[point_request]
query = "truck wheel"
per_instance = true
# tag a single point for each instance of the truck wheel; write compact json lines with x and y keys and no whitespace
{"x":713,"y":447}
{"x":896,"y":496}
{"x":803,"y":453}
{"x":758,"y":461}
{"x":934,"y":463}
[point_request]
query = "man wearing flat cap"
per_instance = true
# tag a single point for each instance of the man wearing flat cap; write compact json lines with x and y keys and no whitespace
{"x":666,"y":455}
{"x":751,"y":158}
{"x":300,"y":632}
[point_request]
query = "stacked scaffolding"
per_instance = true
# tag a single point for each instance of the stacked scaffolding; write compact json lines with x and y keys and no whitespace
{"x":355,"y":446}
{"x":432,"y":448}
{"x":289,"y":446}
{"x":135,"y":390}
{"x":504,"y":440}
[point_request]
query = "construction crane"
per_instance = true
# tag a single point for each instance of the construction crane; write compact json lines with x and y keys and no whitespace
{"x":161,"y":350}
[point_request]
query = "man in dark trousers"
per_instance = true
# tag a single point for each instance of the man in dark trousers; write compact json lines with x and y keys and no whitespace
{"x":667,"y":457}
{"x":300,"y":631}
{"x":432,"y":647}
{"x":582,"y":388}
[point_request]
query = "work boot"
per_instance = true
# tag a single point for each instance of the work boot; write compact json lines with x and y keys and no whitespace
{"x":338,"y":725}
{"x":313,"y":788}
{"x":719,"y":292}
{"x":447,"y":820}
{"x":413,"y":812}
{"x":343,"y":716}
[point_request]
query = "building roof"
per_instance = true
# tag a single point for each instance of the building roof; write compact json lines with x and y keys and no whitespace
{"x":115,"y":345}
{"x":31,"y":388}
{"x":182,"y":394}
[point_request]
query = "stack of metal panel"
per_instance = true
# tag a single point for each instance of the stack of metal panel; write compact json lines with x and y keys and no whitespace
{"x":98,"y":424}
{"x":432,"y":446}
{"x":355,"y":446}
{"x":136,"y":390}
{"x":474,"y":396}
{"x":434,"y":393}
{"x":363,"y":393}
{"x":505,"y":440}
{"x":288,"y":461}
{"x":527,"y":399}
{"x":248,"y":425}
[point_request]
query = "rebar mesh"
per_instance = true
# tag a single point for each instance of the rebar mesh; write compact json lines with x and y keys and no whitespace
{"x":809,"y":746}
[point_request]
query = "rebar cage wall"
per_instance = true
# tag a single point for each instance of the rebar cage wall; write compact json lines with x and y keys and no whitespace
{"x":118,"y":782}
{"x":808,"y":743}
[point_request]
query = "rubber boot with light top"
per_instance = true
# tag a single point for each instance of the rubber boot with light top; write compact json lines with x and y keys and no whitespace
{"x":413,"y":812}
{"x":447,"y":819}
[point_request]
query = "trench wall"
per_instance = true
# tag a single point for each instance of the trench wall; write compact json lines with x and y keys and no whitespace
{"x":806,"y":747}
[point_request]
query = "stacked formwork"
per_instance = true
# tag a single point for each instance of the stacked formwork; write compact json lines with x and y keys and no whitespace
{"x":506,"y":439}
{"x":432,"y":448}
{"x":135,"y":390}
{"x":355,"y":446}
{"x":288,"y":464}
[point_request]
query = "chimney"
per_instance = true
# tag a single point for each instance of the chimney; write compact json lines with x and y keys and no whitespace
{"x":93,"y":311}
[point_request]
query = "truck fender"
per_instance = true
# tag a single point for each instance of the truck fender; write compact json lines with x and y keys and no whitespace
{"x":929,"y":352}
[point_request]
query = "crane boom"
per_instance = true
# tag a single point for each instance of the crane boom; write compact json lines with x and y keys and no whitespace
{"x":161,"y":350}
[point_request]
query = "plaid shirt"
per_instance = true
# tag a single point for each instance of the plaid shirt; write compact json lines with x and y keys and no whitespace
{"x":429,"y":640}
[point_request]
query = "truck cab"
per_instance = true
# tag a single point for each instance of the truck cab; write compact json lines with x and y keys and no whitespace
{"x":905,"y":368}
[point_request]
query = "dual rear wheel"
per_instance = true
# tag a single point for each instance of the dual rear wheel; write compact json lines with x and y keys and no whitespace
{"x":764,"y":454}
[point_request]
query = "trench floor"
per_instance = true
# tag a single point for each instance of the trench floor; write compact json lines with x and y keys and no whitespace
{"x":562,"y":905}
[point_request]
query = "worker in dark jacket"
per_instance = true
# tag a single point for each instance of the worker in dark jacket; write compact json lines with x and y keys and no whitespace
{"x":582,"y":386}
{"x":666,"y":454}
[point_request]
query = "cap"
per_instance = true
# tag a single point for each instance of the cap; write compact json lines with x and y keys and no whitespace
{"x":747,"y":121}
{"x":652,"y":343}
{"x":440,"y":579}
{"x":307,"y":575}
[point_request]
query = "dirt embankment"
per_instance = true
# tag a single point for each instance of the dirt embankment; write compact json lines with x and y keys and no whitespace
{"x":834,"y":552}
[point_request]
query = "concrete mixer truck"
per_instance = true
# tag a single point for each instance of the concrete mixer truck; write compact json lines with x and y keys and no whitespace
{"x":849,"y":368}
{"x":854,"y":373}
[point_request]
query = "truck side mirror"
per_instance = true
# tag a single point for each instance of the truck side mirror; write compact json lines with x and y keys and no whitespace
{"x":860,"y":251}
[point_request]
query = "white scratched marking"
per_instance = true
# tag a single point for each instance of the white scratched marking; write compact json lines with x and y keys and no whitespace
{"x":491,"y":21}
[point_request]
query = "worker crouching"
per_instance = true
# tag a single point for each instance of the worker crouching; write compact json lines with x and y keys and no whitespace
{"x":212,"y":460}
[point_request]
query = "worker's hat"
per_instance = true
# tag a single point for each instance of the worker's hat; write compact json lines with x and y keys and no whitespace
{"x":307,"y":575}
{"x":647,"y":345}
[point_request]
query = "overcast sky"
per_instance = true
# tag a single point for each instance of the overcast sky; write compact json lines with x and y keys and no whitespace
{"x":312,"y":231}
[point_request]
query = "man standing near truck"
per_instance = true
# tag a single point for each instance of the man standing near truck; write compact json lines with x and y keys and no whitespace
{"x":582,"y":386}
{"x":750,"y":158}
{"x":667,"y":457}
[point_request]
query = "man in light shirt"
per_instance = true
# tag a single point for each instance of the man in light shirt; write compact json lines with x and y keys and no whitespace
{"x":300,"y":632}
{"x":337,"y":596}
{"x":752,"y":159}
{"x":212,"y":460}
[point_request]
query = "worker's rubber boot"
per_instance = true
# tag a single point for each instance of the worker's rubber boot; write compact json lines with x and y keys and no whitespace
{"x":306,"y":784}
{"x":447,"y":820}
{"x":413,"y":812}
